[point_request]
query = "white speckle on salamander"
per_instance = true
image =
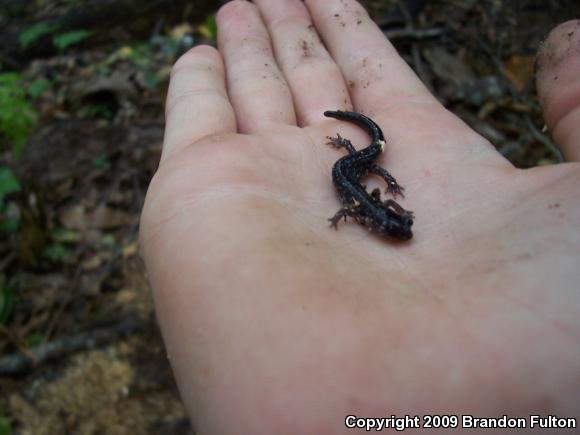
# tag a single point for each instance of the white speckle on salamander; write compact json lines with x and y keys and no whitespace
{"x":382,"y":144}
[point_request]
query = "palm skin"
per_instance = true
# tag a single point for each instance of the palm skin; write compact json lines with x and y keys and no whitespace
{"x":276,"y":323}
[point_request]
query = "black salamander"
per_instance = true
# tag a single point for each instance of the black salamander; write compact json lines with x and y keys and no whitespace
{"x":385,"y":218}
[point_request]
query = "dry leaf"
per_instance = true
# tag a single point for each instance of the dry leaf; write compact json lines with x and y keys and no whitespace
{"x":107,"y":218}
{"x":74,"y":218}
{"x":519,"y":70}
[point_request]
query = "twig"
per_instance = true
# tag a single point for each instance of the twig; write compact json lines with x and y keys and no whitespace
{"x":492,"y":134}
{"x":406,"y":33}
{"x":545,"y":140}
{"x":410,"y":30}
{"x":64,"y":300}
{"x":419,"y":68}
{"x":15,"y":340}
{"x":17,"y":364}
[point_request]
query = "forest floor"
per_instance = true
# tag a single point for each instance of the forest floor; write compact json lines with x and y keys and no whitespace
{"x":80,"y":350}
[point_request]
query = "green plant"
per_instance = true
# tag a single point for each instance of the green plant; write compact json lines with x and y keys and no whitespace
{"x":101,"y":162}
{"x":67,"y":39}
{"x":57,"y":253}
{"x":17,"y":116}
{"x":60,"y":41}
{"x":38,"y":86}
{"x":5,"y":424}
{"x":32,"y":33}
{"x":8,"y":184}
{"x":209,"y":27}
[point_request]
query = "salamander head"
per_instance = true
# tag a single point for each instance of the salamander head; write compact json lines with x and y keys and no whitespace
{"x":399,"y":228}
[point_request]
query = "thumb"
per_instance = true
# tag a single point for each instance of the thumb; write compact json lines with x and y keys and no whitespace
{"x":558,"y":82}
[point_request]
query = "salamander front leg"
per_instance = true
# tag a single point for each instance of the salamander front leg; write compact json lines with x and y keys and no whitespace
{"x":392,"y":185}
{"x":340,"y":142}
{"x":342,"y":213}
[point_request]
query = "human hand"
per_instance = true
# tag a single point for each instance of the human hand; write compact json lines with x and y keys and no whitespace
{"x":276,"y":323}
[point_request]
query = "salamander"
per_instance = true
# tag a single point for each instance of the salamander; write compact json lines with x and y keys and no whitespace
{"x":385,"y":218}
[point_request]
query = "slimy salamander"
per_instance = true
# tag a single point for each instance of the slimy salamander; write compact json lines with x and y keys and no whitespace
{"x":385,"y":218}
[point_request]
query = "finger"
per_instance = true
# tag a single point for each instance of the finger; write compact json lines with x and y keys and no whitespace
{"x":197,"y":104}
{"x":258,"y":91}
{"x":558,"y":84}
{"x":368,"y":61}
{"x":314,"y":78}
{"x":384,"y":87}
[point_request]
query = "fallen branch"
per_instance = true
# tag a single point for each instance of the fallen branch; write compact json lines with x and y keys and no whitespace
{"x":20,"y":363}
{"x":408,"y":33}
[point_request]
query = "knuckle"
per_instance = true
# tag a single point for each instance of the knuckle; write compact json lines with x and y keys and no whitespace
{"x":200,"y":55}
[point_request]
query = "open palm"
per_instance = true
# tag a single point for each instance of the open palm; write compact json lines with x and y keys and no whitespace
{"x":276,"y":323}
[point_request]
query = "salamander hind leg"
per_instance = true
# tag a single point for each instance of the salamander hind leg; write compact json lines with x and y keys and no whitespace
{"x":392,"y":186}
{"x":396,"y":207}
{"x":376,"y":194}
{"x":341,"y":142}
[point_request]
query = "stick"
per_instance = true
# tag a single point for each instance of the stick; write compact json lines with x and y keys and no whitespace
{"x":19,"y":363}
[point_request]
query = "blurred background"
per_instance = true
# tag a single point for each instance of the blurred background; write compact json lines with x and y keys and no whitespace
{"x":82,"y":89}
